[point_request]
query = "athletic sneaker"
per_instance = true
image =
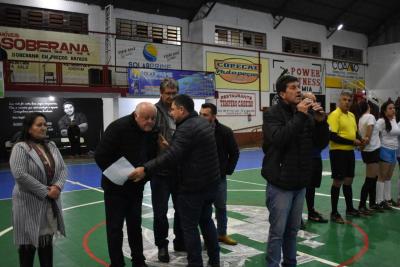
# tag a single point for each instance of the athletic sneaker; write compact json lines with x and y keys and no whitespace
{"x":353,"y":212}
{"x":315,"y":216}
{"x":335,"y":217}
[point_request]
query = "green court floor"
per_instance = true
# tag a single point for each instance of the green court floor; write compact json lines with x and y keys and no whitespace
{"x":372,"y":241}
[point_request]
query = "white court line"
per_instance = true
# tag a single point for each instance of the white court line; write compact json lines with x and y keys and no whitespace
{"x":244,"y":182}
{"x":246,"y":190}
{"x":100,"y":190}
{"x":316,"y":193}
{"x":330,"y":263}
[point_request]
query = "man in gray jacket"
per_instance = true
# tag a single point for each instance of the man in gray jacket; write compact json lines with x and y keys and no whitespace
{"x":162,"y":183}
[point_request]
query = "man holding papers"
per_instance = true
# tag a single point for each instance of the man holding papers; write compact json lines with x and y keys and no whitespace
{"x":127,"y":141}
{"x":194,"y":150}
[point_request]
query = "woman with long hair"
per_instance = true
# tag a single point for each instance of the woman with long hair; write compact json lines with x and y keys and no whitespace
{"x":389,"y":132}
{"x":370,"y":156}
{"x":40,"y":173}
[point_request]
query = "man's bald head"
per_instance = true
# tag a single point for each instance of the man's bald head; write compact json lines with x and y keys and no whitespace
{"x":145,"y":116}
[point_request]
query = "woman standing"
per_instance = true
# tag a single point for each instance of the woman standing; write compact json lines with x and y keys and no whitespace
{"x":370,"y":155}
{"x":389,"y":131}
{"x":40,"y":174}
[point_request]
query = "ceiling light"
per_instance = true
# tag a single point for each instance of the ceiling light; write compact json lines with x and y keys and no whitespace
{"x":339,"y":27}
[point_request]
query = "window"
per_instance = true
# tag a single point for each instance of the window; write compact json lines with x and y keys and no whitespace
{"x":235,"y":37}
{"x":346,"y":53}
{"x":43,"y":19}
{"x":148,"y":32}
{"x":302,"y":47}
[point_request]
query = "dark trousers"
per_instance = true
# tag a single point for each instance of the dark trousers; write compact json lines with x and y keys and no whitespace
{"x":75,"y":146}
{"x":162,"y":187}
{"x":123,"y":205}
{"x":195,"y":209}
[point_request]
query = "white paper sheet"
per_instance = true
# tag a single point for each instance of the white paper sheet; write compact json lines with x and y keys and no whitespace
{"x":118,"y":171}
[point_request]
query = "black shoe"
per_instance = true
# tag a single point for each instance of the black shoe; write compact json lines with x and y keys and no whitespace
{"x":163,"y":255}
{"x":179,"y":247}
{"x":315,"y":216}
{"x":353,"y":212}
{"x":140,"y":264}
{"x":384,"y":205}
{"x":391,"y":203}
{"x":365,"y":211}
{"x":335,"y":217}
{"x":376,"y":208}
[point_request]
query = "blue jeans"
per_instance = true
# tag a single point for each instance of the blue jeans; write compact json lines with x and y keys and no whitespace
{"x":285,"y":208}
{"x":195,"y":209}
{"x":220,"y":208}
{"x":161,"y":188}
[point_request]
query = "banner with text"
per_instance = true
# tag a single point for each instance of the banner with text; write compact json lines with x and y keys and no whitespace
{"x":344,"y":75}
{"x":310,"y":75}
{"x":136,"y":54}
{"x":238,"y":72}
{"x":146,"y":82}
{"x":48,"y":46}
{"x":236,"y":104}
{"x":14,"y":110}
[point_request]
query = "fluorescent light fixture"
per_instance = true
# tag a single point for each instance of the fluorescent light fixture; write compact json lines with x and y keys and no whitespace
{"x":339,"y":27}
{"x":51,"y":98}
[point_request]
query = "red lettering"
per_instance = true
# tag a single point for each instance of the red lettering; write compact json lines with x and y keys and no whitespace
{"x":53,"y":45}
{"x":19,"y":44}
{"x":7,"y":43}
{"x":30,"y":45}
{"x":43,"y":46}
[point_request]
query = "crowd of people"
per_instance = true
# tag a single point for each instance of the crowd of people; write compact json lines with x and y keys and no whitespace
{"x":186,"y":156}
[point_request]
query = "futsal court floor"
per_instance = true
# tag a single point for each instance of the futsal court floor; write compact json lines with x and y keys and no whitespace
{"x":372,"y":241}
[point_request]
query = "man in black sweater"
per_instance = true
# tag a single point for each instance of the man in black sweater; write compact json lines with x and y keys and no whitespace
{"x":193,"y":149}
{"x":291,"y":129}
{"x":130,"y":137}
{"x":228,"y":154}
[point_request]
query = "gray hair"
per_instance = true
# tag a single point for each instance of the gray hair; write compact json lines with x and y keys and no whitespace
{"x":144,"y":106}
{"x":169,"y":83}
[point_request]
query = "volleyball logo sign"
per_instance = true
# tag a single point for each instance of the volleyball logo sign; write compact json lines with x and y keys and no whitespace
{"x":150,"y":52}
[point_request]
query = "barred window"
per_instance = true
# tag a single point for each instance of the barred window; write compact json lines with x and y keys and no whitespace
{"x":347,"y":53}
{"x":302,"y":47}
{"x":43,"y":19}
{"x":240,"y":38}
{"x":148,"y":32}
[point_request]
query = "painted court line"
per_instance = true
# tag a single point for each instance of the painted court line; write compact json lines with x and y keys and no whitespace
{"x":330,"y":263}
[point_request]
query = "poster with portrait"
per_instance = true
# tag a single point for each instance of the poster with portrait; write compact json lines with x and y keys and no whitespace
{"x":86,"y":112}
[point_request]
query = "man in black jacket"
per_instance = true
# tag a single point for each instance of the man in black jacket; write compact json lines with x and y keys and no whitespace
{"x":228,"y":154}
{"x":194,"y":150}
{"x":291,"y":129}
{"x":163,"y":183}
{"x":130,"y":137}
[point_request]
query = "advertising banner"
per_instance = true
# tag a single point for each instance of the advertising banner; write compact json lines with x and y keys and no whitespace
{"x":146,"y":82}
{"x":136,"y":54}
{"x":238,"y":72}
{"x":344,"y":75}
{"x":59,"y":112}
{"x":310,"y":75}
{"x":48,"y":46}
{"x":236,"y":104}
